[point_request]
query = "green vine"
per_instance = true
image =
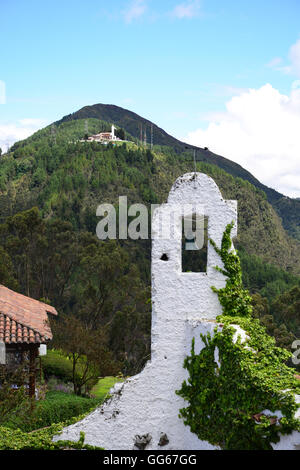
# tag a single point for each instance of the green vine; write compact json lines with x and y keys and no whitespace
{"x":42,"y":439}
{"x":240,"y":392}
{"x":235,"y":300}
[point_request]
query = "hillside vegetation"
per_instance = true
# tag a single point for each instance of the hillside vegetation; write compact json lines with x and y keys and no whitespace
{"x":288,"y":209}
{"x":69,"y":179}
{"x":63,"y":261}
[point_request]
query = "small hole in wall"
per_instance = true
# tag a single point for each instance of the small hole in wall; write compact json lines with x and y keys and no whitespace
{"x":164,"y":257}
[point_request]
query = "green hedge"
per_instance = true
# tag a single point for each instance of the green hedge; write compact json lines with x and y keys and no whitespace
{"x":40,"y":440}
{"x":57,"y":407}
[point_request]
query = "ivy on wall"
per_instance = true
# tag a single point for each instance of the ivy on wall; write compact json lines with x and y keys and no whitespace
{"x":240,"y":392}
{"x":15,"y":439}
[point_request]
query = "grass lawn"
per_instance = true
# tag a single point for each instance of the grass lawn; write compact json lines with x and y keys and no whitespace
{"x":101,"y":389}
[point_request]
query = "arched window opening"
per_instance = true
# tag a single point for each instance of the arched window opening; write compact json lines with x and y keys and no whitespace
{"x":194,"y":243}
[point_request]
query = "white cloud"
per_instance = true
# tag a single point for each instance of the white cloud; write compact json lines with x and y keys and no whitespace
{"x":134,"y":10}
{"x":188,"y":9}
{"x":294,"y":56}
{"x":294,"y":65}
{"x":12,"y":132}
{"x":274,"y":63}
{"x":260,"y":131}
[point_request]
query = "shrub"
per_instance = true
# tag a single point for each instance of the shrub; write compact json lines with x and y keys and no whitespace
{"x":40,"y":440}
{"x":60,"y":406}
{"x":57,"y":407}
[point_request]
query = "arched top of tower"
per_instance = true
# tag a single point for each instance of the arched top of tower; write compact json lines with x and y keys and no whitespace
{"x":194,"y":188}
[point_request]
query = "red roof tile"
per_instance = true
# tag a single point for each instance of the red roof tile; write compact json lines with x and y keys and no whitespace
{"x":23,"y":319}
{"x":12,"y":332}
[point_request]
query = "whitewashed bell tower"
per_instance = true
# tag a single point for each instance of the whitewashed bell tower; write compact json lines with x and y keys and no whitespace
{"x":143,"y":411}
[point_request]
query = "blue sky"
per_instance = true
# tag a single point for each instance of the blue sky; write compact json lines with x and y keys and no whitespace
{"x":203,"y":70}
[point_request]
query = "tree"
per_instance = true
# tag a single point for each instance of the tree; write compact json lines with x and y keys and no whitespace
{"x":261,"y":310}
{"x":286,"y":309}
{"x":42,"y":255}
{"x":109,"y":282}
{"x":112,"y":295}
{"x":97,"y":281}
{"x":21,"y":235}
{"x":87,"y":349}
{"x":7,"y":277}
{"x":120,"y":133}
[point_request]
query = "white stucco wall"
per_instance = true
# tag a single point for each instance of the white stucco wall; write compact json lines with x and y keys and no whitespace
{"x":183,"y":306}
{"x":146,"y":404}
{"x":2,"y":353}
{"x":290,"y":441}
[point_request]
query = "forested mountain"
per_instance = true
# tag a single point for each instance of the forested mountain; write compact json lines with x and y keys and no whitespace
{"x":288,"y":209}
{"x":52,"y":252}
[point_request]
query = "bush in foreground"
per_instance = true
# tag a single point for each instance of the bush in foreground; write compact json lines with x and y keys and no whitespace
{"x":56,"y":408}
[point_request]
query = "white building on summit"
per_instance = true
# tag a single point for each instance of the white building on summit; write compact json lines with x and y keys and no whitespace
{"x":105,"y":136}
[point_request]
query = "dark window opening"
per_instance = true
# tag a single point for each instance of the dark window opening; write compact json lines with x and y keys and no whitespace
{"x":194,"y":244}
{"x":164,"y":257}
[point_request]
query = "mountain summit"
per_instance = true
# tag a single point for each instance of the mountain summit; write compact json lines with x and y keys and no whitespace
{"x":288,"y":209}
{"x":137,"y":125}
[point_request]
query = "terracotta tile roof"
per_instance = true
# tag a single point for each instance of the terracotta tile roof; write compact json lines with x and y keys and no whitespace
{"x":12,"y":332}
{"x":22,"y":319}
